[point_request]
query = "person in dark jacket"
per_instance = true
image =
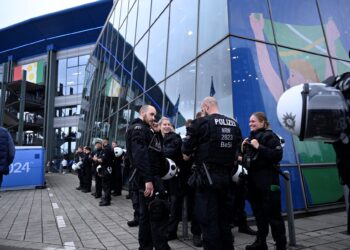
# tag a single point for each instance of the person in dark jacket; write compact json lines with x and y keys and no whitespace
{"x":7,"y":152}
{"x":86,"y":170}
{"x":144,"y":149}
{"x":177,"y":185}
{"x":214,"y":139}
{"x":117,"y":178}
{"x":98,"y":181}
{"x":263,"y":150}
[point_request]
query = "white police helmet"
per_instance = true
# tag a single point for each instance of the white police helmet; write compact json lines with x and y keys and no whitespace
{"x":76,"y":166}
{"x":239,"y":173}
{"x":313,"y":111}
{"x":172,"y":169}
{"x":118,"y":151}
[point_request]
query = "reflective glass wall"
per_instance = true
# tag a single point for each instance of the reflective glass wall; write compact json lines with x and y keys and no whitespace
{"x":172,"y":54}
{"x":276,"y":45}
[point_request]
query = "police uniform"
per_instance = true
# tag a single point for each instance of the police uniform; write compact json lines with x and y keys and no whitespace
{"x":264,"y":188}
{"x":177,"y":187}
{"x":98,"y":180}
{"x":144,"y":149}
{"x":106,"y":174}
{"x":86,"y":173}
{"x":116,"y":183}
{"x":78,"y":156}
{"x":214,"y":140}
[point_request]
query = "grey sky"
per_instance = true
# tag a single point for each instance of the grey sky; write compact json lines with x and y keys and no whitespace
{"x":15,"y":11}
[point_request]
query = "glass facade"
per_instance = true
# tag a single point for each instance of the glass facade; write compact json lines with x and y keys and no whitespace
{"x":172,"y":54}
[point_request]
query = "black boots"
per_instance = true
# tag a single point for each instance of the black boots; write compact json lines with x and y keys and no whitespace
{"x":197,"y":240}
{"x":133,"y":223}
{"x":258,"y":244}
{"x":245,"y":229}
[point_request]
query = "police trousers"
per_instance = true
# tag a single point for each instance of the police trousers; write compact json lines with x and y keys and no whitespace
{"x":214,"y":206}
{"x":151,"y":233}
{"x":266,"y":205}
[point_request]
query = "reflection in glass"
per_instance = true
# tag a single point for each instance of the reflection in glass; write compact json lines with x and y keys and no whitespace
{"x":301,"y":67}
{"x":256,"y":86}
{"x":157,"y":7}
{"x":154,"y":97}
{"x":243,"y":13}
{"x":335,"y":16}
{"x":157,"y":48}
{"x":72,"y":62}
{"x":143,"y":18}
{"x":340,"y":67}
{"x":297,"y":24}
{"x":182,"y":34}
{"x":124,"y":10}
{"x":213,"y":25}
{"x":130,"y":35}
{"x":179,"y":97}
{"x":215,"y":77}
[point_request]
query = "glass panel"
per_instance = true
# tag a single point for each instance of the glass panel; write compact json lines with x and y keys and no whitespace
{"x":183,"y":33}
{"x":297,"y":24}
{"x":72,"y":76}
{"x":139,"y":64}
{"x":117,"y":14}
{"x":213,"y":25}
{"x":179,"y":97}
{"x":154,"y":97}
{"x":215,"y":78}
{"x":300,"y":67}
{"x":245,"y":15}
{"x":143,"y":18}
{"x":340,"y":67}
{"x":314,"y":152}
{"x":83,"y":60}
{"x":124,"y":116}
{"x":62,"y":74}
{"x":157,"y":48}
{"x":322,"y":185}
{"x":124,"y":10}
{"x":157,"y":7}
{"x":256,"y":86}
{"x":72,"y":62}
{"x":130,"y":35}
{"x":335,"y":16}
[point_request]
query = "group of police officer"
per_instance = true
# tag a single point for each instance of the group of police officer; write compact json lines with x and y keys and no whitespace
{"x":213,"y":148}
{"x":104,"y":165}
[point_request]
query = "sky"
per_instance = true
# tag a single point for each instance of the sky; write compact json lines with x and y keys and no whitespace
{"x":15,"y":11}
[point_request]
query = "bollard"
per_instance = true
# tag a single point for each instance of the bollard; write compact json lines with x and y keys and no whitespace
{"x":184,"y":219}
{"x":290,"y":211}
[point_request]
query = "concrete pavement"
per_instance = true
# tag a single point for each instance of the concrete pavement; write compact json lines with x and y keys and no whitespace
{"x":61,"y":217}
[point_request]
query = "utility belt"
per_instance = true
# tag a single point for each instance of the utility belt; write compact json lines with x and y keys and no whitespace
{"x":215,"y":168}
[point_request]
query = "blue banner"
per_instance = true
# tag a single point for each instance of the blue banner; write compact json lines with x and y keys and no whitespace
{"x":27,"y":169}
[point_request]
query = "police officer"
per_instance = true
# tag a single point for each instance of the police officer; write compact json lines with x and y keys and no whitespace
{"x":78,"y":157}
{"x":116,"y":182}
{"x":104,"y":170}
{"x":177,"y":185}
{"x":144,"y":150}
{"x":263,"y":150}
{"x":98,"y":181}
{"x":213,"y":139}
{"x":86,"y":170}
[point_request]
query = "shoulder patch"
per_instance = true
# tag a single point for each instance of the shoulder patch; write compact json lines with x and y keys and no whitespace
{"x":137,"y":127}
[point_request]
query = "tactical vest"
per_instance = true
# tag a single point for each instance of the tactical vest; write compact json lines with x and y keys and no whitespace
{"x":219,"y":142}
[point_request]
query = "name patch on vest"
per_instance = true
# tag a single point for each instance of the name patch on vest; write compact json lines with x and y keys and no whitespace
{"x":225,"y":122}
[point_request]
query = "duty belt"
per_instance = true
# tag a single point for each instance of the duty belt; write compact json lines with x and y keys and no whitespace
{"x":214,"y":168}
